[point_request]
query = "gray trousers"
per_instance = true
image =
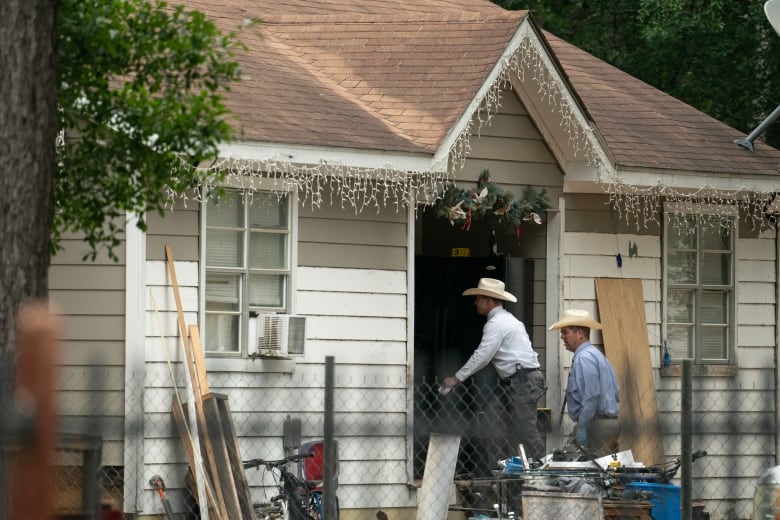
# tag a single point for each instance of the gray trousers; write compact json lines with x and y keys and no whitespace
{"x":515,"y":404}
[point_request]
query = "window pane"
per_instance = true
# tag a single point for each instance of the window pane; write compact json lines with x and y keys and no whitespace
{"x":224,"y":248}
{"x":682,"y":233}
{"x":266,"y":290}
{"x":681,"y":268}
{"x":222,"y":292}
{"x":715,"y":269}
{"x":680,"y":341}
{"x":227,"y":212}
{"x":714,"y":307}
{"x":715,"y":236}
{"x":267,"y":251}
{"x":679,"y":308}
{"x":713,"y":343}
{"x":268,"y":211}
{"x":221,"y":333}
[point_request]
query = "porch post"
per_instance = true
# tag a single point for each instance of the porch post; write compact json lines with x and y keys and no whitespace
{"x":135,"y":365}
{"x":554,"y":293}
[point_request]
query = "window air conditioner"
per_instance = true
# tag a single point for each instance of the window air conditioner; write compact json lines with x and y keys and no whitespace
{"x":279,"y":335}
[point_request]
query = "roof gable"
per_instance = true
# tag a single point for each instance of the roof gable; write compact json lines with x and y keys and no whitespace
{"x":368,"y":77}
{"x":405,"y":77}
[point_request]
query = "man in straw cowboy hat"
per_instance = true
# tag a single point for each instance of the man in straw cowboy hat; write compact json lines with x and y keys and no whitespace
{"x":592,"y":394}
{"x":505,"y":343}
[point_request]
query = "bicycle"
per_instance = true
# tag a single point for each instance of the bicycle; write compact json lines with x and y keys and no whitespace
{"x":297,"y":499}
{"x":662,"y":473}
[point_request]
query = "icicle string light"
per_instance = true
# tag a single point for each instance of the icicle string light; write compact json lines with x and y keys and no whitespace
{"x":363,"y":188}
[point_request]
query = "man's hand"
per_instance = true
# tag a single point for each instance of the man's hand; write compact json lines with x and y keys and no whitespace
{"x":450,"y":382}
{"x":581,"y":436}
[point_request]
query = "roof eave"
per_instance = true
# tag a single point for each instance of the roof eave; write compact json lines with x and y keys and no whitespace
{"x":464,"y":122}
{"x":583,"y":178}
{"x":317,"y":155}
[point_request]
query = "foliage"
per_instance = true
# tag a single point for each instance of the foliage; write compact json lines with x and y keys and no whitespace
{"x":489,"y":200}
{"x":140,"y":101}
{"x":719,"y":56}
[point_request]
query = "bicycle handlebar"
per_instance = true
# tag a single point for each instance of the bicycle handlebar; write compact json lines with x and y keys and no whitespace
{"x":270,"y":464}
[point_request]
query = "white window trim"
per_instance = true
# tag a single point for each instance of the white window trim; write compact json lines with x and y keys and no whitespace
{"x":243,"y":363}
{"x":687,"y":208}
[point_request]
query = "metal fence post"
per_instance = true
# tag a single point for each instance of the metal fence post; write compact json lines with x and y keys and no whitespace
{"x":329,"y":487}
{"x":686,"y":440}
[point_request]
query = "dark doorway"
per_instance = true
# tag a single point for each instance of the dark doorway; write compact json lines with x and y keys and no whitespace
{"x":447,"y":330}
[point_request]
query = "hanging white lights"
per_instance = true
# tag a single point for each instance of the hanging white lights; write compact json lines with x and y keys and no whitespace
{"x":362,"y":188}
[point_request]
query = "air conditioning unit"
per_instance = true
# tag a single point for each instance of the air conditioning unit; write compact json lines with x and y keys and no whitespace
{"x":278,"y":335}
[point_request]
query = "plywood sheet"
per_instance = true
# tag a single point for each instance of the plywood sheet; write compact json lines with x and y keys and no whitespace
{"x":622,"y":313}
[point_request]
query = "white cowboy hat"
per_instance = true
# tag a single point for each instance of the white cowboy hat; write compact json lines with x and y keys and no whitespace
{"x":491,"y":287}
{"x":575,"y":318}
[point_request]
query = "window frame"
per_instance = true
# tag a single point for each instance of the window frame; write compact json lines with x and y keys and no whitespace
{"x":243,"y":352}
{"x":698,"y":211}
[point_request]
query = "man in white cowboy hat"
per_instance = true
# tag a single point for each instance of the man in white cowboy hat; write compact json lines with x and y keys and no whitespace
{"x":506,"y":344}
{"x":592,"y":395}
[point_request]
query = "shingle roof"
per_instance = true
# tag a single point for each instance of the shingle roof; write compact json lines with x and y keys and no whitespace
{"x":646,"y":128}
{"x":389,"y":76}
{"x":396,"y":75}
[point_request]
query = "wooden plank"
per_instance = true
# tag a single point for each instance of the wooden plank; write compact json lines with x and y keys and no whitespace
{"x":198,"y":360}
{"x":622,"y":312}
{"x":234,"y":453}
{"x":221,"y":471}
{"x":186,"y":439}
{"x":195,"y":381}
{"x":177,"y":297}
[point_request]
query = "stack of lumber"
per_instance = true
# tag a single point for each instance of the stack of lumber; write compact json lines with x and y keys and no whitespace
{"x":221,"y":473}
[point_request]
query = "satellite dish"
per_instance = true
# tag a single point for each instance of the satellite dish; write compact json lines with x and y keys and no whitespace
{"x":772,"y":10}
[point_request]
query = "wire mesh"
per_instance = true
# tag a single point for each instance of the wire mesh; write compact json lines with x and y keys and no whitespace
{"x":383,"y":430}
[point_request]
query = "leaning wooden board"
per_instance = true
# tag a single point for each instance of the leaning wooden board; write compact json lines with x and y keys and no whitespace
{"x":622,"y":313}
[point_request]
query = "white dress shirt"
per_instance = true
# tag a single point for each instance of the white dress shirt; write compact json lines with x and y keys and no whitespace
{"x":505,"y":342}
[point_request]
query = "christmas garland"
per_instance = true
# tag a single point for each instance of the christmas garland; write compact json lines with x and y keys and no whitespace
{"x":490,"y":200}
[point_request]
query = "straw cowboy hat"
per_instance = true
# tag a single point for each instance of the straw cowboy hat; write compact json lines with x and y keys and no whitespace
{"x":491,"y":287}
{"x":575,"y":318}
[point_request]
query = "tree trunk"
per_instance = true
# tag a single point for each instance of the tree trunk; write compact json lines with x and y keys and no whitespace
{"x":28,"y":129}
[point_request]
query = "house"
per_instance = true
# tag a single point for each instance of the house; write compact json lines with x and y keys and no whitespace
{"x":352,"y":115}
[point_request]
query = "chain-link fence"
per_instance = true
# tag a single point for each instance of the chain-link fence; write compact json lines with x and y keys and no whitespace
{"x":384,"y":429}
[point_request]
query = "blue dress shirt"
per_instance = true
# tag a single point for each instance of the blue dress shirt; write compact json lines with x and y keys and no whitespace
{"x":592,"y":386}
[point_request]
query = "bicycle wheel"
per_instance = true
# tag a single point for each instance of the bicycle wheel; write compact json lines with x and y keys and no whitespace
{"x":316,"y":506}
{"x":314,"y":509}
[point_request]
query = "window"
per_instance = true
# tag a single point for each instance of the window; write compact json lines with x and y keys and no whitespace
{"x":247,"y":265}
{"x":699,"y":287}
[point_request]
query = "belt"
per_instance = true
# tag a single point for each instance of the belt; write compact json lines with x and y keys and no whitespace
{"x":519,"y":369}
{"x":605,"y":416}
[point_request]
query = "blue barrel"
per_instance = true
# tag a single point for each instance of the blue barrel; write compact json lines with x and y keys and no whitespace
{"x":665,"y":501}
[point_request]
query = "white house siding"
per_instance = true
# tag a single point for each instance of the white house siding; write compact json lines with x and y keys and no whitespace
{"x":351,"y":284}
{"x":90,"y":390}
{"x":513,"y":150}
{"x":744,"y":402}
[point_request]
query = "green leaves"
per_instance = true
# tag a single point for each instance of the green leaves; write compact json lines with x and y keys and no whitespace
{"x":720,"y":56}
{"x":489,"y":200}
{"x":140,"y":101}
